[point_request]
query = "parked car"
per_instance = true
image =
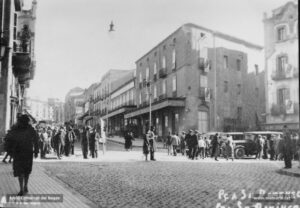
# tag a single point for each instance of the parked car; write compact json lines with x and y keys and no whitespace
{"x":247,"y":146}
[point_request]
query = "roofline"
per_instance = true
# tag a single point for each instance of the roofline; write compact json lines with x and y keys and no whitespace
{"x":123,"y":85}
{"x":216,"y":33}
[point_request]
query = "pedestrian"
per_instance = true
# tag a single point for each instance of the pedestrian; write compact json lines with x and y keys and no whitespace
{"x":43,"y":143}
{"x":207,"y":146}
{"x":298,"y":148}
{"x":103,"y":141}
{"x":201,"y":145}
{"x":194,"y":145}
{"x":92,"y":141}
{"x":23,"y":144}
{"x":97,"y":139}
{"x":146,"y":146}
{"x":152,"y":143}
{"x":265,"y":147}
{"x":260,"y":147}
{"x":169,"y":143}
{"x":215,"y":146}
{"x":128,"y":141}
{"x":85,"y":142}
{"x":175,"y":143}
{"x":287,"y":153}
{"x":229,"y":147}
{"x":188,"y":143}
{"x":72,"y":138}
{"x":182,"y":143}
{"x":272,"y":147}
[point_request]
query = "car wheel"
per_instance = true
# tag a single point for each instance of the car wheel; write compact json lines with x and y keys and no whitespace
{"x":239,"y":153}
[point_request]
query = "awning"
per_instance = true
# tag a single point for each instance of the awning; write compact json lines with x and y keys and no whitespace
{"x":170,"y":102}
{"x":119,"y":111}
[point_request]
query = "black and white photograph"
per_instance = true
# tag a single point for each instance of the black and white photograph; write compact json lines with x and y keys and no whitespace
{"x":149,"y":104}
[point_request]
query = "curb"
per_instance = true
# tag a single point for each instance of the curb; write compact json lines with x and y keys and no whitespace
{"x":285,"y":172}
{"x":132,"y":145}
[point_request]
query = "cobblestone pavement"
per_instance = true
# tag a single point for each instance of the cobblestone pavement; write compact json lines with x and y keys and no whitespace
{"x":172,"y":184}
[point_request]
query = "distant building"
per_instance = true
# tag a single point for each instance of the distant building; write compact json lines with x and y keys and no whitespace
{"x":74,"y":105}
{"x":40,"y":110}
{"x":201,"y":79}
{"x":58,"y":110}
{"x":282,"y":67}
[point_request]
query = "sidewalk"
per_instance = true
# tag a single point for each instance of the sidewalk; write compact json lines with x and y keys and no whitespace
{"x":294,"y":171}
{"x":39,"y":183}
{"x":135,"y":143}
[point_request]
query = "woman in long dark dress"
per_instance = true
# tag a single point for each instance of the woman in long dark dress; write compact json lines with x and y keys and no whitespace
{"x":23,"y":143}
{"x":146,"y":146}
{"x":128,"y":141}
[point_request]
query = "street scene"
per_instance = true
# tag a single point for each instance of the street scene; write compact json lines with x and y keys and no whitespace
{"x":143,"y":103}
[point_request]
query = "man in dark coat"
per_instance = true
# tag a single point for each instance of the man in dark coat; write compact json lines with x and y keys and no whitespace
{"x":92,"y":141}
{"x":152,"y":144}
{"x":215,"y":146}
{"x":85,"y":142}
{"x":193,"y":144}
{"x":23,"y":143}
{"x":128,"y":141}
{"x":188,"y":143}
{"x":287,"y":147}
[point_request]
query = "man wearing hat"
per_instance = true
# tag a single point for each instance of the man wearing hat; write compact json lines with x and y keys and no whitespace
{"x":188,"y":143}
{"x":287,"y":147}
{"x":194,"y":144}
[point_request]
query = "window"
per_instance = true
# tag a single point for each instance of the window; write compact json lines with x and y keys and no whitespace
{"x":239,"y":113}
{"x":140,"y":98}
{"x":281,"y":32}
{"x":166,"y":121}
{"x":147,"y":96}
{"x":238,"y":89}
{"x":256,"y":69}
{"x":203,"y":81}
{"x":283,"y":95}
{"x":225,"y":62}
{"x":173,"y":59}
{"x":203,"y":121}
{"x":155,"y":92}
{"x":147,"y":74}
{"x":141,"y":78}
{"x":225,"y":86}
{"x":164,"y":87}
{"x":256,"y":92}
{"x":174,"y":84}
{"x":238,"y":65}
{"x":163,"y":62}
{"x":281,"y":63}
{"x":154,"y":68}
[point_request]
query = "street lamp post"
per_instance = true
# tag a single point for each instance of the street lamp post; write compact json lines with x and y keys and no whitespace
{"x":150,"y":106}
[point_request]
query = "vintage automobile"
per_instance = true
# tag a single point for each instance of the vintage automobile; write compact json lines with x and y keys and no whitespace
{"x":247,"y":145}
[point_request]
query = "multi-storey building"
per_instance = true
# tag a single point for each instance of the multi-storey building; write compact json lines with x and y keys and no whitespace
{"x":104,"y":98}
{"x":122,"y":100}
{"x":17,"y":60}
{"x":201,"y":79}
{"x":74,"y":105}
{"x":282,"y":67}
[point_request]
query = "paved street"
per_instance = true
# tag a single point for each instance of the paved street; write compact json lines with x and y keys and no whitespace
{"x":123,"y":179}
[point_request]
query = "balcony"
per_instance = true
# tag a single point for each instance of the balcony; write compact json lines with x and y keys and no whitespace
{"x":163,"y":73}
{"x":21,"y":62}
{"x":281,"y":109}
{"x":289,"y":72}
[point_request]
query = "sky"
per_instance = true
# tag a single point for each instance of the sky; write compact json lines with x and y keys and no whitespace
{"x":74,"y":48}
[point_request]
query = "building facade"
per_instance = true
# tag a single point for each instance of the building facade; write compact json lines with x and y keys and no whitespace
{"x":58,"y":110}
{"x":74,"y":105}
{"x":195,"y":78}
{"x":122,"y":100}
{"x":40,"y":110}
{"x":17,"y":59}
{"x":282,"y":67}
